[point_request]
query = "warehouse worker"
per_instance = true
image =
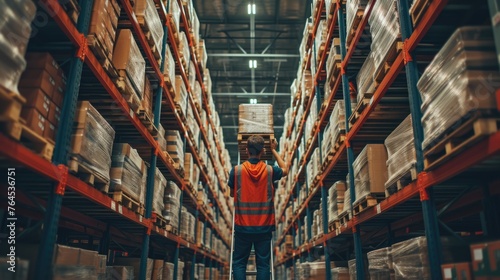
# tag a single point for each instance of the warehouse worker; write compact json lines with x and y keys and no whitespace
{"x":254,"y":219}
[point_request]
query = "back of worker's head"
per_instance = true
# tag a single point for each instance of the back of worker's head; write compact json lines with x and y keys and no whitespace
{"x":255,"y":145}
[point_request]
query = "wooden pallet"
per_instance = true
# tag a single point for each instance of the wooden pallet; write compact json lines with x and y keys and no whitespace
{"x":172,"y":229}
{"x":159,"y":220}
{"x":418,"y":9}
{"x":367,"y":202}
{"x":86,"y":174}
{"x":360,"y":107}
{"x":72,"y":8}
{"x":168,"y":83}
{"x":334,"y":149}
{"x":456,"y":141}
{"x":243,"y":140}
{"x":354,"y":26}
{"x":334,"y":225}
{"x":125,"y":200}
{"x":124,"y":85}
{"x":147,"y":120}
{"x":398,"y":184}
{"x":344,"y":218}
{"x":334,"y":68}
{"x":391,"y":56}
{"x":19,"y":131}
{"x":11,"y":104}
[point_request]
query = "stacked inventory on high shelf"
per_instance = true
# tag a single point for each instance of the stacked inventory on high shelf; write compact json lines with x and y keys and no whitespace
{"x":110,"y":132}
{"x":394,"y":172}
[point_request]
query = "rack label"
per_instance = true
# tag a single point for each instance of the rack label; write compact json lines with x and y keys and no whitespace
{"x":140,"y":218}
{"x":165,"y":233}
{"x":120,"y":209}
{"x":113,"y":205}
{"x":378,"y":209}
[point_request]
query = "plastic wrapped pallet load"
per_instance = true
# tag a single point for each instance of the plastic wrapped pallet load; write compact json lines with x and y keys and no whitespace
{"x":175,"y":146}
{"x":364,"y":79}
{"x":462,"y":78}
{"x":145,"y":11}
{"x":127,"y":172}
{"x":135,"y":263}
{"x":401,"y":156}
{"x":92,"y":141}
{"x":130,"y":64}
{"x":15,"y":33}
{"x":380,"y":264}
{"x":256,"y":118}
{"x":102,"y":29}
{"x":411,"y":260}
{"x":353,"y":10}
{"x":120,"y":272}
{"x":340,"y":273}
{"x":159,"y":192}
{"x":336,"y":200}
{"x":370,"y":171}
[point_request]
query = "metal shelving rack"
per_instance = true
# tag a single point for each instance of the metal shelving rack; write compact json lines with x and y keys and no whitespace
{"x":421,"y":197}
{"x":55,"y":184}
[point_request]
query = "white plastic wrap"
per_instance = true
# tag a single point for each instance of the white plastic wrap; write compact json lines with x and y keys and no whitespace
{"x":380,"y":264}
{"x":340,"y":273}
{"x":184,"y":49}
{"x":169,"y":66}
{"x":370,"y":171}
{"x":180,"y":94}
{"x":307,"y":86}
{"x":15,"y":31}
{"x":400,"y":147}
{"x":352,"y":8}
{"x":171,"y":200}
{"x":256,"y":118}
{"x":384,"y":28}
{"x":336,"y":200}
{"x":347,"y":196}
{"x":92,"y":140}
{"x":462,"y":78}
{"x":175,"y":11}
{"x":61,"y":272}
{"x":127,"y":171}
{"x":159,"y":192}
{"x":365,"y":81}
{"x":352,"y":269}
{"x":127,"y":56}
{"x":119,"y":272}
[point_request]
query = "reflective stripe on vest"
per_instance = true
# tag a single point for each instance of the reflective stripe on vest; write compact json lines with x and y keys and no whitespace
{"x":248,"y":210}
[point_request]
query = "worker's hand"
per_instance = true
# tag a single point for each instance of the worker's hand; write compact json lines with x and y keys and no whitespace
{"x":274,"y":144}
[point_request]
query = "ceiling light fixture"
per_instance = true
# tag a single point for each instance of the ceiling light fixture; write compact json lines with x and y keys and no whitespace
{"x":252,"y":9}
{"x":253,"y":101}
{"x":252,"y":64}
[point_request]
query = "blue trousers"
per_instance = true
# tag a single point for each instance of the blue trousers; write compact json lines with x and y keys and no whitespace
{"x":242,"y":247}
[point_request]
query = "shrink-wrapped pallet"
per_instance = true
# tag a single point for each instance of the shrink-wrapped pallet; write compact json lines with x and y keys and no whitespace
{"x":92,"y":140}
{"x":191,"y":72}
{"x":364,"y":80}
{"x":347,"y":198}
{"x":145,"y":10}
{"x":128,"y":60}
{"x":175,"y":11}
{"x":175,"y":146}
{"x":385,"y":30}
{"x":119,"y":272}
{"x":202,"y":53}
{"x":184,"y":50}
{"x":159,"y":192}
{"x":411,"y":257}
{"x":180,"y":94}
{"x":352,"y":269}
{"x":370,"y":171}
{"x":169,"y":67}
{"x":307,"y":86}
{"x":380,"y":264}
{"x":102,"y":29}
{"x":353,"y":10}
{"x":256,"y":118}
{"x":15,"y":32}
{"x":461,"y":78}
{"x":401,"y":155}
{"x":136,"y":263}
{"x":336,"y":200}
{"x":127,"y":171}
{"x":319,"y":44}
{"x":340,"y":273}
{"x":171,"y":201}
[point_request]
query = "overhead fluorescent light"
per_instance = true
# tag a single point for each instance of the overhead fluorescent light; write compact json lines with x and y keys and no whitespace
{"x":252,"y":9}
{"x":252,"y":64}
{"x":253,"y":101}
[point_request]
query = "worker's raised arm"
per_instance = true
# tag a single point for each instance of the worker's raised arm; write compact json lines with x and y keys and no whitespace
{"x":281,"y":162}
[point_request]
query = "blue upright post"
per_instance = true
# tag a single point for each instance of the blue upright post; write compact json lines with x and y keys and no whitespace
{"x":358,"y":250}
{"x":428,"y":207}
{"x":53,"y":211}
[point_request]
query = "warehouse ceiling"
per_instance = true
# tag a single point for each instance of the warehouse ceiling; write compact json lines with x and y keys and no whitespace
{"x":233,"y":37}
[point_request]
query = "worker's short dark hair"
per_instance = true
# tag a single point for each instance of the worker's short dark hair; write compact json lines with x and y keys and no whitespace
{"x":255,"y":144}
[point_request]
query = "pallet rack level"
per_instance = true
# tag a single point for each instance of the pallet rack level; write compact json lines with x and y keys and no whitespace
{"x":66,"y":185}
{"x":428,"y":192}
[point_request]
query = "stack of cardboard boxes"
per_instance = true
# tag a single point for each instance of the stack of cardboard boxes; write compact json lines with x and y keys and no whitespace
{"x":128,"y":172}
{"x":43,"y":85}
{"x":175,"y":147}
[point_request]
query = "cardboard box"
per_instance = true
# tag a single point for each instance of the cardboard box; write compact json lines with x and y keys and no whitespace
{"x":457,"y":271}
{"x":35,"y":78}
{"x":36,"y":98}
{"x":478,"y":252}
{"x":120,"y":272}
{"x":50,"y":131}
{"x":371,"y":170}
{"x":136,"y":264}
{"x":34,"y":120}
{"x":256,"y":118}
{"x":485,"y":260}
{"x":58,"y":98}
{"x":157,"y":270}
{"x":54,"y":115}
{"x":45,"y":61}
{"x":65,"y":255}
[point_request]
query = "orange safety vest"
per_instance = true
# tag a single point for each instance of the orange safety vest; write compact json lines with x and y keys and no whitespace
{"x":253,"y":198}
